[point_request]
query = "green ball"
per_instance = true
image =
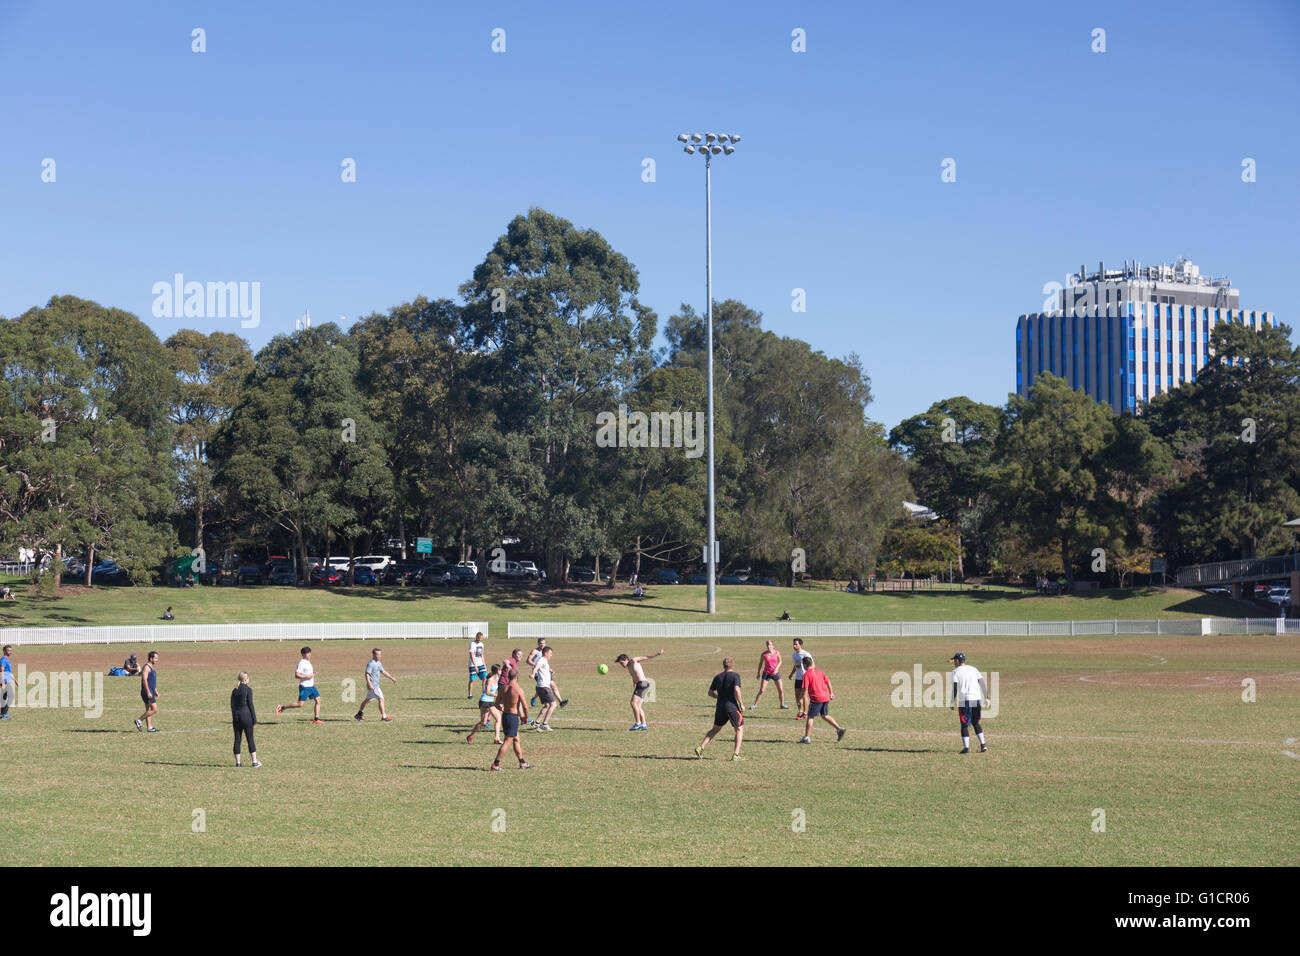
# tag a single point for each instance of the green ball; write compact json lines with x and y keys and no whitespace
{"x":603,"y":668}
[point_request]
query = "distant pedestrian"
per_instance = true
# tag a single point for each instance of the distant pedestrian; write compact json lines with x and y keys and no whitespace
{"x":820,"y":694}
{"x":305,"y":674}
{"x":149,"y":693}
{"x":477,"y":667}
{"x":374,"y":672}
{"x":730,"y":708}
{"x":243,"y":716}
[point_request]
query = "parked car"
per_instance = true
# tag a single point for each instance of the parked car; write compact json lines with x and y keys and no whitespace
{"x":323,"y":576}
{"x":667,"y":576}
{"x":697,"y":577}
{"x":376,"y":562}
{"x":1224,"y":591}
{"x":107,"y":572}
{"x":282,"y":574}
{"x":364,"y":574}
{"x":536,"y":573}
{"x":249,"y":574}
{"x":1279,"y":596}
{"x":581,"y":574}
{"x":432,"y":576}
{"x":743,"y":575}
{"x":729,"y":579}
{"x":462,"y":575}
{"x":766,"y":582}
{"x":402,"y":571}
{"x":468,"y":564}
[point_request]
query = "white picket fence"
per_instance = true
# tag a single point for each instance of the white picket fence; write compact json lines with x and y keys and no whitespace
{"x":192,"y":633}
{"x":789,"y":629}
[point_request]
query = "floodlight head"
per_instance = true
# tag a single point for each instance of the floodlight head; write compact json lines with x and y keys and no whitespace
{"x":710,"y":137}
{"x":715,"y":149}
{"x":696,"y":138}
{"x":735,"y":138}
{"x":689,"y":148}
{"x":682,"y":137}
{"x":728,"y":150}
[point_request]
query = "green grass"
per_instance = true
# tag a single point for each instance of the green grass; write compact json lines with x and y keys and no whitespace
{"x":662,"y":603}
{"x":1153,"y":731}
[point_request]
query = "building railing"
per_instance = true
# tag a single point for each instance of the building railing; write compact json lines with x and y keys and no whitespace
{"x":1226,"y":572}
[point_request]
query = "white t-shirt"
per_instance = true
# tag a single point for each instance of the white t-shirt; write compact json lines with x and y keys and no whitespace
{"x":374,"y":669}
{"x":798,"y":659}
{"x":543,"y":673}
{"x":967,"y":679}
{"x":306,"y":674}
{"x":476,"y":653}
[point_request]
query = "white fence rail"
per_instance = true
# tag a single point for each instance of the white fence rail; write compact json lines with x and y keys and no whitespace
{"x":189,"y":633}
{"x":789,"y":629}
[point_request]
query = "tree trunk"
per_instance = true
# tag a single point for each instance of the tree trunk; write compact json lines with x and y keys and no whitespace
{"x":401,"y":533}
{"x":90,"y":562}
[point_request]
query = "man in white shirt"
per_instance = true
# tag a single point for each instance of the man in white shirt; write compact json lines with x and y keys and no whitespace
{"x":306,"y":676}
{"x":374,"y":671}
{"x":797,"y":672}
{"x":477,"y":666}
{"x":547,"y":692}
{"x":969,"y":692}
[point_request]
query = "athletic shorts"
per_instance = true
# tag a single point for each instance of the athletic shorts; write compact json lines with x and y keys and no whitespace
{"x":819,"y":708}
{"x":641,"y":688}
{"x":374,"y":694}
{"x":545,"y":696}
{"x":477,"y":671}
{"x":773,"y":676}
{"x":484,"y":702}
{"x":969,"y":712}
{"x":147,"y":699}
{"x":510,"y":725}
{"x":727,"y":714}
{"x":307,"y":693}
{"x":798,"y":683}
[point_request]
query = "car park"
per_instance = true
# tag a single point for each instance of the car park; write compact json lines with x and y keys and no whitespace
{"x":323,"y":576}
{"x":462,"y":575}
{"x":667,"y":576}
{"x":364,"y":574}
{"x":249,"y":574}
{"x":375,"y":562}
{"x":468,"y":564}
{"x":533,"y":571}
{"x":282,"y":574}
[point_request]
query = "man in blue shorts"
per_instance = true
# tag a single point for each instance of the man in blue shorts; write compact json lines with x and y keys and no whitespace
{"x":305,"y":674}
{"x":477,"y":665}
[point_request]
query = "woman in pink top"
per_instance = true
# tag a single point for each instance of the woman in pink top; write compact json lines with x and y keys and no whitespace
{"x":769,"y":668}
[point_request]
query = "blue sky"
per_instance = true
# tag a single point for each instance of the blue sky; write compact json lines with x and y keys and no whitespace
{"x":225,"y":165}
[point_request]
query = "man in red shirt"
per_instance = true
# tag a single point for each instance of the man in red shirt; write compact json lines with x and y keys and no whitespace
{"x":820,"y":694}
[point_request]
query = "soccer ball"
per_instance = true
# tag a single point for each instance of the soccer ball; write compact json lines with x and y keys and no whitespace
{"x":603,"y":668}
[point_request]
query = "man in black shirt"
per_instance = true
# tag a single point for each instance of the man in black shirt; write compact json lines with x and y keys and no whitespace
{"x":725,"y":689}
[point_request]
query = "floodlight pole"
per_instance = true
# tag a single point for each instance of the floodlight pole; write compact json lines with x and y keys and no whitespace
{"x":712,"y":595}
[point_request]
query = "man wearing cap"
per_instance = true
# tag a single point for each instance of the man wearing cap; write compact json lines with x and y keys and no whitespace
{"x":968,"y":692}
{"x":131,"y":666}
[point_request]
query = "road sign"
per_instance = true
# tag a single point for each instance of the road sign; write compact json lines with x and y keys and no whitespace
{"x":424,"y":546}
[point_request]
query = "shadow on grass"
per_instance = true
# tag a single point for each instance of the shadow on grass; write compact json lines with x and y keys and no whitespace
{"x":412,"y":766}
{"x":647,"y":757}
{"x":893,"y":750}
{"x":104,"y":731}
{"x":172,"y":763}
{"x":506,"y":598}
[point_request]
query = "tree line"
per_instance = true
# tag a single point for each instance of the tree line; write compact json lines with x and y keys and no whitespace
{"x":475,"y":422}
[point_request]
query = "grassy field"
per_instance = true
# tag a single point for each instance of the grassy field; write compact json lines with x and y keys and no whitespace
{"x":497,"y":605}
{"x":1152,"y":731}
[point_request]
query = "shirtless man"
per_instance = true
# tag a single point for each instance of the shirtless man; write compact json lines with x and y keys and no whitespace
{"x":511,"y":703}
{"x":639,"y":686}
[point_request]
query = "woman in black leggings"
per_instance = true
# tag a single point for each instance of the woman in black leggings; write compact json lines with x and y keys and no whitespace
{"x":243,"y":716}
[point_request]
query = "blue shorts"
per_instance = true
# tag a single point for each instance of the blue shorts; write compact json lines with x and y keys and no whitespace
{"x":307,"y":693}
{"x":510,"y":725}
{"x":480,"y":672}
{"x":819,"y":708}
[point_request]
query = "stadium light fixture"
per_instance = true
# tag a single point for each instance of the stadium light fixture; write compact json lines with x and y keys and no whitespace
{"x":711,"y":147}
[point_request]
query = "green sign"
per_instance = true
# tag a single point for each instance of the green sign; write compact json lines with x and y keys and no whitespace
{"x":424,"y":546}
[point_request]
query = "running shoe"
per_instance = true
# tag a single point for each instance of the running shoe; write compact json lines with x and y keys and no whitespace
{"x":139,"y":725}
{"x":699,"y":751}
{"x":153,"y":730}
{"x":257,"y":763}
{"x":839,"y":734}
{"x":318,"y":721}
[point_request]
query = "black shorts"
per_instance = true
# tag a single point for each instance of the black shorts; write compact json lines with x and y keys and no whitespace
{"x":798,"y":684}
{"x":819,"y":708}
{"x":545,"y":696}
{"x":147,"y":699}
{"x":510,"y":725}
{"x":969,"y":712}
{"x":776,"y":676}
{"x":727,"y":714}
{"x":641,"y":688}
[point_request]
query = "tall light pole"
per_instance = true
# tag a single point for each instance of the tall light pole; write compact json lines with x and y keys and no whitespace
{"x":709,"y":145}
